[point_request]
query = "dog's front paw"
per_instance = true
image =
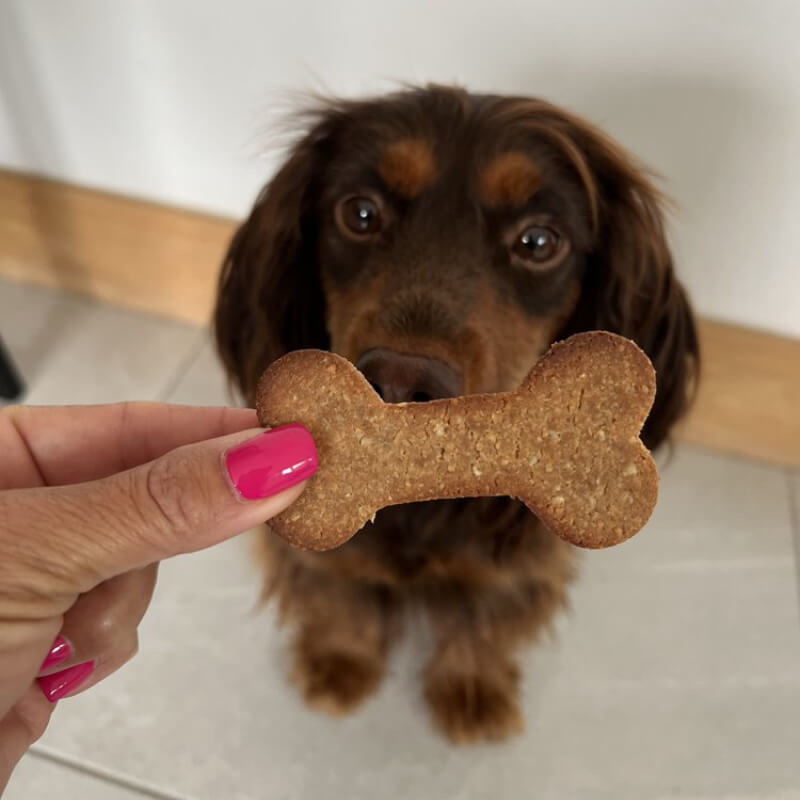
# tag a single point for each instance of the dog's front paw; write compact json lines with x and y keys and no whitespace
{"x":470,"y":708}
{"x":335,"y":682}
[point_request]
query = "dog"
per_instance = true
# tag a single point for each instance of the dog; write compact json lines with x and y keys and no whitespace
{"x":441,"y":241}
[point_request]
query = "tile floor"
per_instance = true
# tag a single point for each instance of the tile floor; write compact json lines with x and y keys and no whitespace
{"x":676,"y":675}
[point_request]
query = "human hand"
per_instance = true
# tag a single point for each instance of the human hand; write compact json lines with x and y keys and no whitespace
{"x":91,"y":499}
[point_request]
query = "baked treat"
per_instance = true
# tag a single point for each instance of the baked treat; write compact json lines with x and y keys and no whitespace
{"x":565,"y":443}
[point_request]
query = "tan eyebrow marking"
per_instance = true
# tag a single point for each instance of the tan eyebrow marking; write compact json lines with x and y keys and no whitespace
{"x":408,"y":166}
{"x":510,"y":179}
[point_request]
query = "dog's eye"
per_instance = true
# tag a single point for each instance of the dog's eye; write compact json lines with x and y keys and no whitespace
{"x":359,"y":216}
{"x":538,"y":244}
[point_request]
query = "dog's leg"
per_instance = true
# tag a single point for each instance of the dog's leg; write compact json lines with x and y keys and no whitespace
{"x":340,"y":654}
{"x":472,"y":681}
{"x":345,"y":623}
{"x":471,"y":686}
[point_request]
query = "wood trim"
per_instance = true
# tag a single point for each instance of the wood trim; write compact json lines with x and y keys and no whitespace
{"x":748,"y":401}
{"x":127,"y":252}
{"x":164,"y":260}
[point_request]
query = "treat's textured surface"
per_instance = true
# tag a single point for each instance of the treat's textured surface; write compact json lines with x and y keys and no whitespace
{"x":565,"y":443}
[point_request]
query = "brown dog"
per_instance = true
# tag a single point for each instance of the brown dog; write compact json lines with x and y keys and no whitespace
{"x":441,"y":241}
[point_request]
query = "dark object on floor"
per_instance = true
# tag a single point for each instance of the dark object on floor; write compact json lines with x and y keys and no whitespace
{"x":11,"y":386}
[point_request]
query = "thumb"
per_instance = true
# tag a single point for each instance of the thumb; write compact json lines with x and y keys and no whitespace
{"x":188,"y":499}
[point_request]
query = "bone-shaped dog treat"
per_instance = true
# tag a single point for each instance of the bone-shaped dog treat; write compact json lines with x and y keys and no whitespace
{"x":565,"y":443}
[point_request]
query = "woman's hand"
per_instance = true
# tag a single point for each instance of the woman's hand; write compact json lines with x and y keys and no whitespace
{"x":91,"y":499}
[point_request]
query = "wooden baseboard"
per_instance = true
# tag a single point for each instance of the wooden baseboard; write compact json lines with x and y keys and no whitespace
{"x":748,"y":401}
{"x":164,"y":260}
{"x":127,"y":252}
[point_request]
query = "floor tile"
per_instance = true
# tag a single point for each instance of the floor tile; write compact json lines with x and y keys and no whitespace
{"x":714,"y":628}
{"x":74,"y":350}
{"x":203,"y":383}
{"x":638,"y":743}
{"x":36,"y":778}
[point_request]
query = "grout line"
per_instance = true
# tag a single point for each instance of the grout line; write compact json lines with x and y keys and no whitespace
{"x":184,"y":367}
{"x":104,"y":774}
{"x":794,"y":524}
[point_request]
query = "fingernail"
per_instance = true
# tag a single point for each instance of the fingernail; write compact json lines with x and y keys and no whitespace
{"x":59,"y":653}
{"x":272,"y":462}
{"x":58,"y":684}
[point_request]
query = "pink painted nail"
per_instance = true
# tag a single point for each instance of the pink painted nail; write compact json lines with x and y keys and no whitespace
{"x":59,"y":653}
{"x":272,"y":462}
{"x":58,"y":684}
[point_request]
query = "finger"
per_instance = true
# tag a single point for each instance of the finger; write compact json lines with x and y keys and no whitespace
{"x":104,"y":620}
{"x":52,"y":446}
{"x":101,"y":629}
{"x":109,"y":663}
{"x":20,"y":728}
{"x":70,"y":539}
{"x":78,"y":678}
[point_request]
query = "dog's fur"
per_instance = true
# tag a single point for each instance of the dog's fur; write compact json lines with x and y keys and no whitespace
{"x":456,"y":177}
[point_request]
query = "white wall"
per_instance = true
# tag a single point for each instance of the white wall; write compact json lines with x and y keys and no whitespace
{"x":172,"y":100}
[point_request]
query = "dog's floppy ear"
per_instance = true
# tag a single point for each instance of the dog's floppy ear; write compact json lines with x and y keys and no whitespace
{"x":630,"y":286}
{"x":269,"y":299}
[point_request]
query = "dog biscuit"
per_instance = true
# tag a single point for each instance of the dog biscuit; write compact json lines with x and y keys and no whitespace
{"x":566,"y":443}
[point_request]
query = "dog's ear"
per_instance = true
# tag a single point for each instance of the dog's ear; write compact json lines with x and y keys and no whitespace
{"x":269,"y":298}
{"x":630,"y":286}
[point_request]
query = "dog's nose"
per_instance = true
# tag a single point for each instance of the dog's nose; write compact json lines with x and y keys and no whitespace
{"x":400,"y":378}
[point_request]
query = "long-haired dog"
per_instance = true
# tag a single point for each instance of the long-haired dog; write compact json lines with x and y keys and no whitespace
{"x":441,"y":241}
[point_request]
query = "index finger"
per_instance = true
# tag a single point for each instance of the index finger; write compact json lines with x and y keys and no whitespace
{"x":57,"y":445}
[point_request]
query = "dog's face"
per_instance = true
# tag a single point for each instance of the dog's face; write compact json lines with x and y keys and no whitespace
{"x":441,"y":241}
{"x":451,"y":252}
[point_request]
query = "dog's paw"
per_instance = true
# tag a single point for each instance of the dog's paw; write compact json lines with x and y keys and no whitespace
{"x":468,"y":708}
{"x":335,"y":682}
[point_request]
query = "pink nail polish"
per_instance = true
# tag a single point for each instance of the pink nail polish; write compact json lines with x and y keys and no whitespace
{"x":58,"y":684}
{"x":59,"y":653}
{"x":272,"y":461}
